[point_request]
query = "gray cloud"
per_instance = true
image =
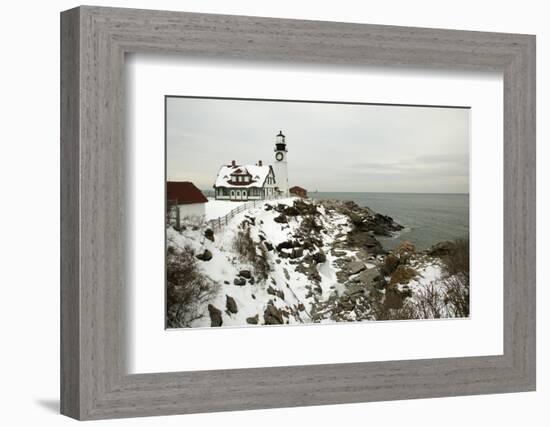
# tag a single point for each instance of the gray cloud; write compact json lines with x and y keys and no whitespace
{"x":332,"y":147}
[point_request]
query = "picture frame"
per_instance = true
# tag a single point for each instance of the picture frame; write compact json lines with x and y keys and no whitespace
{"x":94,"y":42}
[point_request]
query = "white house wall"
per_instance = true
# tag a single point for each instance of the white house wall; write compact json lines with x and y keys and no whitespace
{"x":192,"y":210}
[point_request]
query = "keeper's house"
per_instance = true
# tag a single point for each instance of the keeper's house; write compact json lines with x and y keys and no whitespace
{"x":245,"y":182}
{"x":187,"y":197}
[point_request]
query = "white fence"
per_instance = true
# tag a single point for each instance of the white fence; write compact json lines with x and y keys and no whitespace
{"x":224,"y":220}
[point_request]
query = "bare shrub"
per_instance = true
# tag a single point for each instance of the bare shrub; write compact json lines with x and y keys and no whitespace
{"x":260,"y":263}
{"x":252,"y":253}
{"x":457,"y":261}
{"x":244,"y":246}
{"x":427,"y":302}
{"x":187,"y":290}
{"x":456,"y":286}
{"x":457,"y":295}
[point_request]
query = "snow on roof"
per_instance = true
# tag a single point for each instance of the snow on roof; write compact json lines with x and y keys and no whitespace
{"x":258,"y":175}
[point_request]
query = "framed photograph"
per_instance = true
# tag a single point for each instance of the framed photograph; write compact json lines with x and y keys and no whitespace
{"x":261,"y":213}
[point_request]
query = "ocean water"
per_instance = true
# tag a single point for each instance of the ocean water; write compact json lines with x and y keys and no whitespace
{"x":427,"y":218}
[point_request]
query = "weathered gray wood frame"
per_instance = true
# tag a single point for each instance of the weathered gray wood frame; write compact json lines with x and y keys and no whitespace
{"x":94,"y":42}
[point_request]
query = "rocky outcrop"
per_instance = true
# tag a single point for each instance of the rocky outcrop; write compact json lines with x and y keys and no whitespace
{"x":253,"y":320}
{"x":245,"y":273}
{"x":215,"y":316}
{"x":230,"y":305}
{"x":209,"y":234}
{"x":205,"y":256}
{"x":272,"y":315}
{"x":239,"y":281}
{"x":441,"y":249}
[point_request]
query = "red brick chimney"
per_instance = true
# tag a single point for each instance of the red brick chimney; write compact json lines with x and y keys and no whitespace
{"x":260,"y":163}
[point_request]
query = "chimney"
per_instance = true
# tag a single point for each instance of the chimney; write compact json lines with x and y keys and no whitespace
{"x":260,"y":163}
{"x":233,"y":163}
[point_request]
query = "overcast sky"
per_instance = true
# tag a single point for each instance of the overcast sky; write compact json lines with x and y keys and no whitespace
{"x":331,"y":147}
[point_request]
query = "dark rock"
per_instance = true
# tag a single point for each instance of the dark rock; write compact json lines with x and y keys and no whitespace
{"x":252,"y":280}
{"x":281,"y":219}
{"x":441,"y":249}
{"x":355,"y":267}
{"x":239,"y":281}
{"x":370,"y":276}
{"x":337,"y":253}
{"x":268,"y":207}
{"x":245,"y":273}
{"x":297,"y":253}
{"x":286,"y":273}
{"x":226,"y":282}
{"x":291,"y":211}
{"x":288,"y":244}
{"x":276,"y":292}
{"x":209,"y":234}
{"x":305,"y":208}
{"x":253,"y":320}
{"x":230,"y":304}
{"x":273,"y":316}
{"x":319,"y":257}
{"x":268,"y":246}
{"x":215,"y":316}
{"x":205,"y":256}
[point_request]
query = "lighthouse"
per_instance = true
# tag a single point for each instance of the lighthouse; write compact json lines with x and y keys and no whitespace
{"x":280,"y":165}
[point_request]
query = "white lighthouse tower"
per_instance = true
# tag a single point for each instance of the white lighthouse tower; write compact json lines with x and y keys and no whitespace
{"x":280,"y":165}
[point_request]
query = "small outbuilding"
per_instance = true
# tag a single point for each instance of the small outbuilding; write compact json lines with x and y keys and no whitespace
{"x":298,"y":191}
{"x":187,"y":197}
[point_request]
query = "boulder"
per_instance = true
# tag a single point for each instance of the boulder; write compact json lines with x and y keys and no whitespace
{"x":272,"y":315}
{"x":287,"y":244}
{"x":209,"y":234}
{"x":205,"y":256}
{"x":371,"y":277}
{"x":230,"y":304}
{"x":245,"y":273}
{"x":281,"y":219}
{"x":355,"y":267}
{"x":239,"y":281}
{"x":253,"y":320}
{"x":276,"y":292}
{"x":319,"y":257}
{"x":215,"y":316}
{"x":297,"y":253}
{"x":268,"y":246}
{"x":441,"y":249}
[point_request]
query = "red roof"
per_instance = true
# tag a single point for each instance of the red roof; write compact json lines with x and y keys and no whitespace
{"x":297,"y":188}
{"x":184,"y":192}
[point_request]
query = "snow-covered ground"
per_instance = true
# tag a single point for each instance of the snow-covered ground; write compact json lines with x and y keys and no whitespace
{"x":286,"y":288}
{"x":217,"y":208}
